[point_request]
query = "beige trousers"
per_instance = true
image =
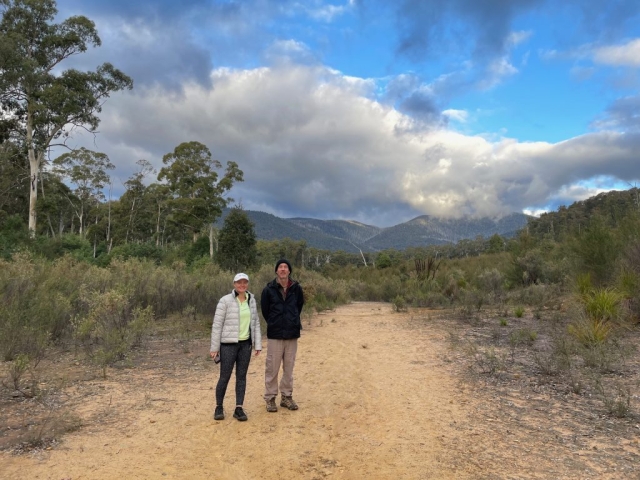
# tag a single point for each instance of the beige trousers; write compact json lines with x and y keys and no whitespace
{"x":279,"y":351}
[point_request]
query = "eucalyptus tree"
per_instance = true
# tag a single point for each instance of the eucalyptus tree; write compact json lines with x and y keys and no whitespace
{"x":43,"y":103}
{"x":87,"y":170}
{"x":134,"y":196}
{"x":157,"y":195}
{"x":56,"y":204}
{"x":196,"y":192}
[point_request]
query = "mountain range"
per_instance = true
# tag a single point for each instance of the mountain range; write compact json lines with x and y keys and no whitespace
{"x":352,"y":236}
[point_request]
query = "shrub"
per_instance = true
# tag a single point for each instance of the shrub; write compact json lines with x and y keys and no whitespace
{"x":399,"y":304}
{"x":518,"y":312}
{"x":138,"y":250}
{"x":112,"y":328}
{"x":523,"y":336}
{"x":617,"y":399}
{"x":491,"y":281}
{"x":590,"y":331}
{"x":603,"y":304}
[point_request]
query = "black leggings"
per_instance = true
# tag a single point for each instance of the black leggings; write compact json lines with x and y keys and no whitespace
{"x":238,"y":354}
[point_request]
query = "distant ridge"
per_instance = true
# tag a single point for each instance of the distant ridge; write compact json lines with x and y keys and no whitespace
{"x":352,"y":236}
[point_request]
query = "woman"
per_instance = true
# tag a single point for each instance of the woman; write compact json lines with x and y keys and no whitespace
{"x":235,"y":329}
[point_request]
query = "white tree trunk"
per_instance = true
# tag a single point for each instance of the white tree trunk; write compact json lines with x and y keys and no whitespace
{"x":34,"y":167}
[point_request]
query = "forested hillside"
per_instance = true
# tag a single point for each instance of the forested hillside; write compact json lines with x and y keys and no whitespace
{"x":613,"y":208}
{"x":353,"y":237}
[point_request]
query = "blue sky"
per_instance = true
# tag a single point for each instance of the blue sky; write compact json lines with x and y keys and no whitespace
{"x":379,"y":111}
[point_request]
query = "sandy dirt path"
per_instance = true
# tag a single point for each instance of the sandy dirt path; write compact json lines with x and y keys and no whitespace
{"x":376,"y":401}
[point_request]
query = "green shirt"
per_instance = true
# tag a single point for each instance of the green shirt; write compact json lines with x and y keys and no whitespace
{"x":245,"y":319}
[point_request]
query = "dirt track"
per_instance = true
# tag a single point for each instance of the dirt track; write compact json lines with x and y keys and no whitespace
{"x":378,"y":399}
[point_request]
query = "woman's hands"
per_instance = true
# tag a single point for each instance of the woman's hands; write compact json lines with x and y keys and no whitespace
{"x":257,"y":352}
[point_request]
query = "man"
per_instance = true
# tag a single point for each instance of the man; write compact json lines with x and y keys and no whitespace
{"x":281,"y":303}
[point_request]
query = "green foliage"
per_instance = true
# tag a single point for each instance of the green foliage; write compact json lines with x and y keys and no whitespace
{"x":491,"y":281}
{"x":383,"y":261}
{"x":197,"y":250}
{"x":518,"y":311}
{"x":496,"y":244}
{"x":87,"y":170}
{"x":584,"y":285}
{"x":400,"y":304}
{"x":57,"y":247}
{"x":237,"y":242}
{"x":529,"y":267}
{"x":196,"y":194}
{"x":629,"y":279}
{"x":13,"y":234}
{"x":138,"y":250}
{"x":34,"y":92}
{"x":18,"y":367}
{"x":523,"y":336}
{"x":600,"y":314}
{"x":603,"y":304}
{"x":320,"y":293}
{"x":112,"y":326}
{"x":590,"y":331}
{"x":597,"y":248}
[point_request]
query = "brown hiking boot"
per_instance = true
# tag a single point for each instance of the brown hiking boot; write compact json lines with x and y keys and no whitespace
{"x":288,"y":403}
{"x":271,"y":405}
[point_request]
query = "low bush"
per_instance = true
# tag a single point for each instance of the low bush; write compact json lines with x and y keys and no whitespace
{"x":112,"y":328}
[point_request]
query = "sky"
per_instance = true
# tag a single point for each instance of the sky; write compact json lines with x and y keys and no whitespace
{"x":377,"y":111}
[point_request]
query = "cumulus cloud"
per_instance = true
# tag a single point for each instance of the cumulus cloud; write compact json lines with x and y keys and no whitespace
{"x":314,"y":141}
{"x":310,"y":143}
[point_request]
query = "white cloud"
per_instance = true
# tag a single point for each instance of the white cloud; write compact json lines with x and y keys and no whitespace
{"x":497,"y":71}
{"x":626,"y":55}
{"x":328,"y":12}
{"x":516,"y":38}
{"x":458,"y":115}
{"x":311,"y":143}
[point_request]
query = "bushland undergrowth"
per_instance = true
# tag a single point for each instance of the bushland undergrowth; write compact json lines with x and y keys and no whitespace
{"x":577,"y":313}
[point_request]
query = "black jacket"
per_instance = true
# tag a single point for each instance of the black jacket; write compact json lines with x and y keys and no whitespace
{"x":282,"y":315}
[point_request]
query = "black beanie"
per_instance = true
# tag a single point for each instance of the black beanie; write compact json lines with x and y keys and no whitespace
{"x":284,"y":260}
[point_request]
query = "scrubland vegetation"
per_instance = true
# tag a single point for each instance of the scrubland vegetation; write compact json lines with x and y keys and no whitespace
{"x":94,"y":277}
{"x":567,"y":301}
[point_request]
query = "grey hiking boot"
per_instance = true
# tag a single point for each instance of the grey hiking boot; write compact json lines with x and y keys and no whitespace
{"x":289,"y":403}
{"x":271,"y":405}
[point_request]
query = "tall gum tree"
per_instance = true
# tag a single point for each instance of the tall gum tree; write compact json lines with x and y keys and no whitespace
{"x":44,"y":104}
{"x":197,"y":194}
{"x":87,"y":170}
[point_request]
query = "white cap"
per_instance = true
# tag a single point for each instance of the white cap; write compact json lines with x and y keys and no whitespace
{"x":241,"y":276}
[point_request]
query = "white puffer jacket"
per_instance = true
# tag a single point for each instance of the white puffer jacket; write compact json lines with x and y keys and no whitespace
{"x":226,"y":322}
